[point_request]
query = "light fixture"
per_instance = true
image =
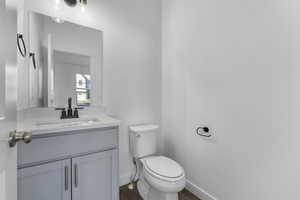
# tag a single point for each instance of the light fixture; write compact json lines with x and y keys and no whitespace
{"x":82,"y":4}
{"x":71,"y":3}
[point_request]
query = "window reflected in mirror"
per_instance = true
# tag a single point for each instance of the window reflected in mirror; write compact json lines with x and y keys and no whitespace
{"x":83,"y":88}
{"x":72,"y":78}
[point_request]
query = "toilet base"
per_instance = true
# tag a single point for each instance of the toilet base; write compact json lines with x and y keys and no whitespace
{"x":143,"y":189}
{"x":149,"y":193}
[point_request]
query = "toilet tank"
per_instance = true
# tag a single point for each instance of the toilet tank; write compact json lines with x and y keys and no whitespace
{"x":143,"y":140}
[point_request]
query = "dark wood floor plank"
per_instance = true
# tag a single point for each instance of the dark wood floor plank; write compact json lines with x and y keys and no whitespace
{"x":188,"y":195}
{"x":126,"y":194}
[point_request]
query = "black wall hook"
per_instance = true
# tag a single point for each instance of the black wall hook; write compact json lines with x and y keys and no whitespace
{"x":32,"y":55}
{"x":20,"y":40}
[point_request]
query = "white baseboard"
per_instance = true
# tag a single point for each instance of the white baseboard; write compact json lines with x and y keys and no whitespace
{"x":125,"y":179}
{"x":199,"y":192}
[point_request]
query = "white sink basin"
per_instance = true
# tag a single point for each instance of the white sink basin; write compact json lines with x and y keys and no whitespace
{"x":67,"y":123}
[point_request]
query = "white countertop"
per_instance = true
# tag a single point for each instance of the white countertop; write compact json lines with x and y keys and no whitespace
{"x":39,"y":126}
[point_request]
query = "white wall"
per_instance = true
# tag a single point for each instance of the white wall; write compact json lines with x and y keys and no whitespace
{"x":234,"y":66}
{"x":132,"y":58}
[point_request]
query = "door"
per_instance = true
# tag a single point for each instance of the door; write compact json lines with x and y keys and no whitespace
{"x":94,"y":177}
{"x":8,"y":97}
{"x":50,"y":181}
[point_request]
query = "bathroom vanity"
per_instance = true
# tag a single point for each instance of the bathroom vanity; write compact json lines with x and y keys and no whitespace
{"x":73,"y":163}
{"x":73,"y":154}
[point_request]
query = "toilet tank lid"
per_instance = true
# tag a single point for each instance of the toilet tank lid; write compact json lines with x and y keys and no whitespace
{"x":143,"y":128}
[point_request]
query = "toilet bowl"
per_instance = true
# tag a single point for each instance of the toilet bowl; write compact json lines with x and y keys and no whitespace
{"x":165,"y":178}
{"x":161,"y":178}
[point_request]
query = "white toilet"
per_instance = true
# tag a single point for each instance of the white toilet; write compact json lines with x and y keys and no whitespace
{"x":161,"y":178}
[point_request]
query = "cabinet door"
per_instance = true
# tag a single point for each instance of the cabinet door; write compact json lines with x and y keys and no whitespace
{"x":50,"y":181}
{"x":95,"y":177}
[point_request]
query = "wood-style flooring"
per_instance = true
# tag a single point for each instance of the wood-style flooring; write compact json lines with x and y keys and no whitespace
{"x":126,"y":194}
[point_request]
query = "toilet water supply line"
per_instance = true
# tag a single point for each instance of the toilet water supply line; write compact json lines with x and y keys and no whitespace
{"x":133,"y":177}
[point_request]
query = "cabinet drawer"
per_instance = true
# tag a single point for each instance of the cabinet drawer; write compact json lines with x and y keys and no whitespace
{"x":65,"y":145}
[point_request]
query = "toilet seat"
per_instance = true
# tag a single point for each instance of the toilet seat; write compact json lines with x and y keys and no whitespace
{"x":163,"y":168}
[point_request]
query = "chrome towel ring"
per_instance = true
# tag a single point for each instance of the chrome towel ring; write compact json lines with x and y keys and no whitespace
{"x":203,"y":131}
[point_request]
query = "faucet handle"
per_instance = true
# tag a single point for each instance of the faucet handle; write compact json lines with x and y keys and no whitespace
{"x":63,"y":113}
{"x":76,"y":114}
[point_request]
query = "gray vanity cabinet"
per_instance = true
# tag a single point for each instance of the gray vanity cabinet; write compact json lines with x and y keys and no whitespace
{"x":79,"y":165}
{"x":45,"y":182}
{"x":93,"y":176}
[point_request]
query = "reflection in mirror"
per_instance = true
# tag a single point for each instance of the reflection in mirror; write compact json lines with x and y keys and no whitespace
{"x":68,"y":61}
{"x":72,"y":78}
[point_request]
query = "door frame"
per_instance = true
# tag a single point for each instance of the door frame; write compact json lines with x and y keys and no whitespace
{"x":8,"y":95}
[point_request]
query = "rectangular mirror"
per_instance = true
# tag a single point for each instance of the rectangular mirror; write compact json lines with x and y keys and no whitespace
{"x":65,"y":61}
